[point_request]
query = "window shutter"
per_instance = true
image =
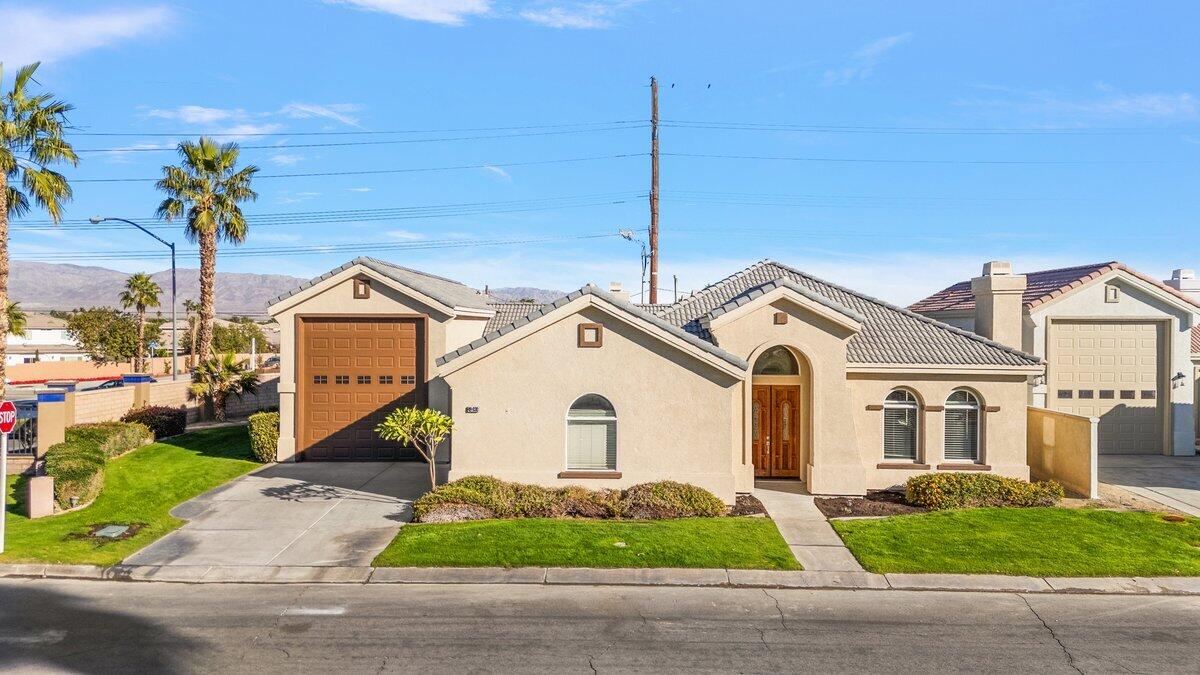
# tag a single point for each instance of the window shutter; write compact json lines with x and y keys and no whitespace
{"x":962,"y":434}
{"x":900,"y":433}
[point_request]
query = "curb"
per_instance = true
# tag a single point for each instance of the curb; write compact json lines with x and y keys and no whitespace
{"x":560,"y":576}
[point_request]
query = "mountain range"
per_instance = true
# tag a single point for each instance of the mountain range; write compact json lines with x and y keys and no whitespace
{"x":46,"y":286}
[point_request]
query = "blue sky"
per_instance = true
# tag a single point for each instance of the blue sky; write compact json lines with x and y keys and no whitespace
{"x":1048,"y":133}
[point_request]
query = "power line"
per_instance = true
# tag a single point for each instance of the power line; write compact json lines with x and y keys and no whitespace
{"x":387,"y":142}
{"x":361,"y":132}
{"x":844,"y":129}
{"x":368,"y":172}
{"x":857,"y":160}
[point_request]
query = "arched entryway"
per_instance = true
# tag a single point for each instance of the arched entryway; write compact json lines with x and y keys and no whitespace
{"x":778,"y":413}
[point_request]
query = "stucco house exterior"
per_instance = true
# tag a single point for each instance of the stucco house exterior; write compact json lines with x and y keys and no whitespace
{"x":1119,"y":345}
{"x":768,"y":373}
{"x":45,"y":339}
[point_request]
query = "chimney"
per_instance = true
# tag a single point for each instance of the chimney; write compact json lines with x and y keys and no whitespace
{"x":614,"y":287}
{"x":1185,"y":281}
{"x":998,"y":307}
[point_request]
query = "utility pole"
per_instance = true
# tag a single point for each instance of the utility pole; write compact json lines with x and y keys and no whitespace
{"x":653,"y":191}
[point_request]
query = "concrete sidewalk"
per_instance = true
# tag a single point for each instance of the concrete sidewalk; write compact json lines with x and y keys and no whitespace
{"x":556,"y":576}
{"x":805,"y":529}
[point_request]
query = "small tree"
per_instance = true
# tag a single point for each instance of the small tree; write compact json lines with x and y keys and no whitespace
{"x":16,"y":319}
{"x":220,"y":377}
{"x":140,"y":292}
{"x":422,"y":428}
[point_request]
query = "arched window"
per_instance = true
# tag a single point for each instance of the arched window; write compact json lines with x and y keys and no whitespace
{"x":962,"y":427}
{"x":592,"y":434}
{"x":777,"y":361}
{"x":900,"y":420}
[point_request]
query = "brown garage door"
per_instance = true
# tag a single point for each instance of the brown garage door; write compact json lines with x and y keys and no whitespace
{"x":1111,"y":370}
{"x":352,"y":371}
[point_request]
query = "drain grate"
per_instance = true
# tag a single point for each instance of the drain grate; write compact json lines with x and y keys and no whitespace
{"x":111,"y":531}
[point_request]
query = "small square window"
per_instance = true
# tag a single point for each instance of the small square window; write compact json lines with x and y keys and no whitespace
{"x":1148,"y":394}
{"x":362,"y":289}
{"x":1066,"y":393}
{"x":341,"y":379}
{"x":408,"y":379}
{"x":591,"y":335}
{"x":364,"y":379}
{"x":1087,"y":393}
{"x":385,"y":379}
{"x":1107,"y":393}
{"x":320,"y":379}
{"x":1127,"y":394}
{"x":1112,"y":294}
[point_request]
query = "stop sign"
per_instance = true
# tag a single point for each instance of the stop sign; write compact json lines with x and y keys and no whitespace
{"x":8,"y":417}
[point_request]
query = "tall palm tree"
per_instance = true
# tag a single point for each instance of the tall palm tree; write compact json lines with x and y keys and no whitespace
{"x":140,"y":292}
{"x":220,"y":377}
{"x":207,"y":188}
{"x":16,"y":318}
{"x":31,"y":140}
{"x":190,"y":307}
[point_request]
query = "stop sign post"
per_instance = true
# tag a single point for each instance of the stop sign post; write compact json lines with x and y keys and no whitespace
{"x":8,"y":421}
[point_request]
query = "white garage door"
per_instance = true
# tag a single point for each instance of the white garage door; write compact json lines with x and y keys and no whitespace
{"x":1111,"y":370}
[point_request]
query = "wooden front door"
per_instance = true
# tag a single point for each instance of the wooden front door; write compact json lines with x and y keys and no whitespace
{"x":775,"y":430}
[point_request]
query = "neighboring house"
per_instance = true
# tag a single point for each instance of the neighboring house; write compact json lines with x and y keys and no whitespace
{"x":1118,"y":345}
{"x":45,"y":339}
{"x":768,"y":373}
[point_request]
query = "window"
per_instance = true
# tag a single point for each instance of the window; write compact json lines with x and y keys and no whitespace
{"x":777,"y":361}
{"x":1148,"y":393}
{"x":362,"y":289}
{"x":364,"y":379}
{"x":591,"y":434}
{"x":591,"y":335}
{"x":1107,"y":393}
{"x":1087,"y":393}
{"x":341,"y":379}
{"x":900,"y":425}
{"x":1127,"y":394}
{"x":320,"y":379}
{"x":385,"y":379}
{"x":408,"y":379}
{"x":1065,"y":393}
{"x":962,"y":427}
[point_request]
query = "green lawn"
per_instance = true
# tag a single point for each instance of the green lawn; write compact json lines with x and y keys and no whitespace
{"x":139,"y":487}
{"x":1033,"y":542}
{"x":739,"y":543}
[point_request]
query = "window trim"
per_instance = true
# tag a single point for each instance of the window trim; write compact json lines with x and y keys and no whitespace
{"x":916,"y":406}
{"x":568,"y":470}
{"x":593,"y":344}
{"x":979,"y":409}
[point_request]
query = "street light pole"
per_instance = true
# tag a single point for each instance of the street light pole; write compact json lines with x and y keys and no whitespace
{"x":174,"y":342}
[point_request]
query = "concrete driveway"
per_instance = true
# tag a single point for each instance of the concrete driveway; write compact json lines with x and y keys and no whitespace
{"x":319,"y":514}
{"x":1170,"y":481}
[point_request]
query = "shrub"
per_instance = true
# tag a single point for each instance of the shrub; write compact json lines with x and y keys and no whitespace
{"x":163,"y":420}
{"x":668,"y":499}
{"x":77,"y":464}
{"x":964,"y":490}
{"x":574,"y":501}
{"x":452,"y":495}
{"x":264,"y":436}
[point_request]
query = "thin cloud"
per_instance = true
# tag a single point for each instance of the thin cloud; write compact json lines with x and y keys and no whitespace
{"x":285,"y":159}
{"x":338,"y":112}
{"x":1110,"y":105}
{"x":29,"y":35}
{"x":445,"y":12}
{"x":358,"y":189}
{"x":498,"y":172}
{"x":863,"y":62}
{"x":197,"y":114}
{"x":580,"y":15}
{"x":405,"y":235}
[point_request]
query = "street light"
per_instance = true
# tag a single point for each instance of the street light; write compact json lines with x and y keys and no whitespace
{"x":96,"y":220}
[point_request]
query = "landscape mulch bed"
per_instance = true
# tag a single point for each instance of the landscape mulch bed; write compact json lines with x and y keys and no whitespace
{"x":882,"y":503}
{"x":747,"y":505}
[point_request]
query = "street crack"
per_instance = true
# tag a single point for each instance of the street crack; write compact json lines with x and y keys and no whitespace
{"x":1066,"y":652}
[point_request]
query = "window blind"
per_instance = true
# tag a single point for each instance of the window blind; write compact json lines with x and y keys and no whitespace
{"x":962,"y":434}
{"x":900,"y":433}
{"x":592,"y":445}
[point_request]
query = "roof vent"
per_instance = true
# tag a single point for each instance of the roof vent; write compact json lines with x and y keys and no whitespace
{"x":614,"y":287}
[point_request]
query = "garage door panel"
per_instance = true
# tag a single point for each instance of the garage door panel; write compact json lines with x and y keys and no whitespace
{"x":1110,"y":370}
{"x":353,"y":381}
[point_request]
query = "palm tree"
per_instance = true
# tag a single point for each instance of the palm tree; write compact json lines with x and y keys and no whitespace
{"x":31,"y":140}
{"x":189,"y":308}
{"x":207,"y":188}
{"x":140,"y":292}
{"x":220,"y":377}
{"x":16,"y":318}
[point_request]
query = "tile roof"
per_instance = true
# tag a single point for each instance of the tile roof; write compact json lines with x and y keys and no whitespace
{"x":783,"y":282}
{"x":542,"y":310}
{"x":446,"y":291}
{"x":508,"y":312}
{"x":1196,"y":339}
{"x":40,"y":321}
{"x":1041,"y":287}
{"x":890,"y":334}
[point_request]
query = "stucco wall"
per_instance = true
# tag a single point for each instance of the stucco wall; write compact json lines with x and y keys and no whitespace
{"x":1135,"y":303}
{"x":1062,"y":447}
{"x":336,"y":297}
{"x":674,"y":414}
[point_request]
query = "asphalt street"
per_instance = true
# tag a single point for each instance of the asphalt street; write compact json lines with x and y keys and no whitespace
{"x":89,"y":626}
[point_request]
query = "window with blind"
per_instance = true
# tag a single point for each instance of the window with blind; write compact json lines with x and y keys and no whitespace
{"x":592,"y":435}
{"x":962,"y":427}
{"x":900,"y":410}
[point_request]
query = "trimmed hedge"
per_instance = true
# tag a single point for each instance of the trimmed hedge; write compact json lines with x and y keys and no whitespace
{"x":264,"y":436}
{"x":478,"y":497}
{"x":965,"y":490}
{"x":163,"y":420}
{"x":77,"y":464}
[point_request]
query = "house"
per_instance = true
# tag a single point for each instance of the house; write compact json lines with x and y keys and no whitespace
{"x":770,"y":372}
{"x":45,"y":339}
{"x":1119,"y":345}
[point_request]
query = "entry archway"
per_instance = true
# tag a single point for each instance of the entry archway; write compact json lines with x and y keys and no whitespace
{"x":779,"y":413}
